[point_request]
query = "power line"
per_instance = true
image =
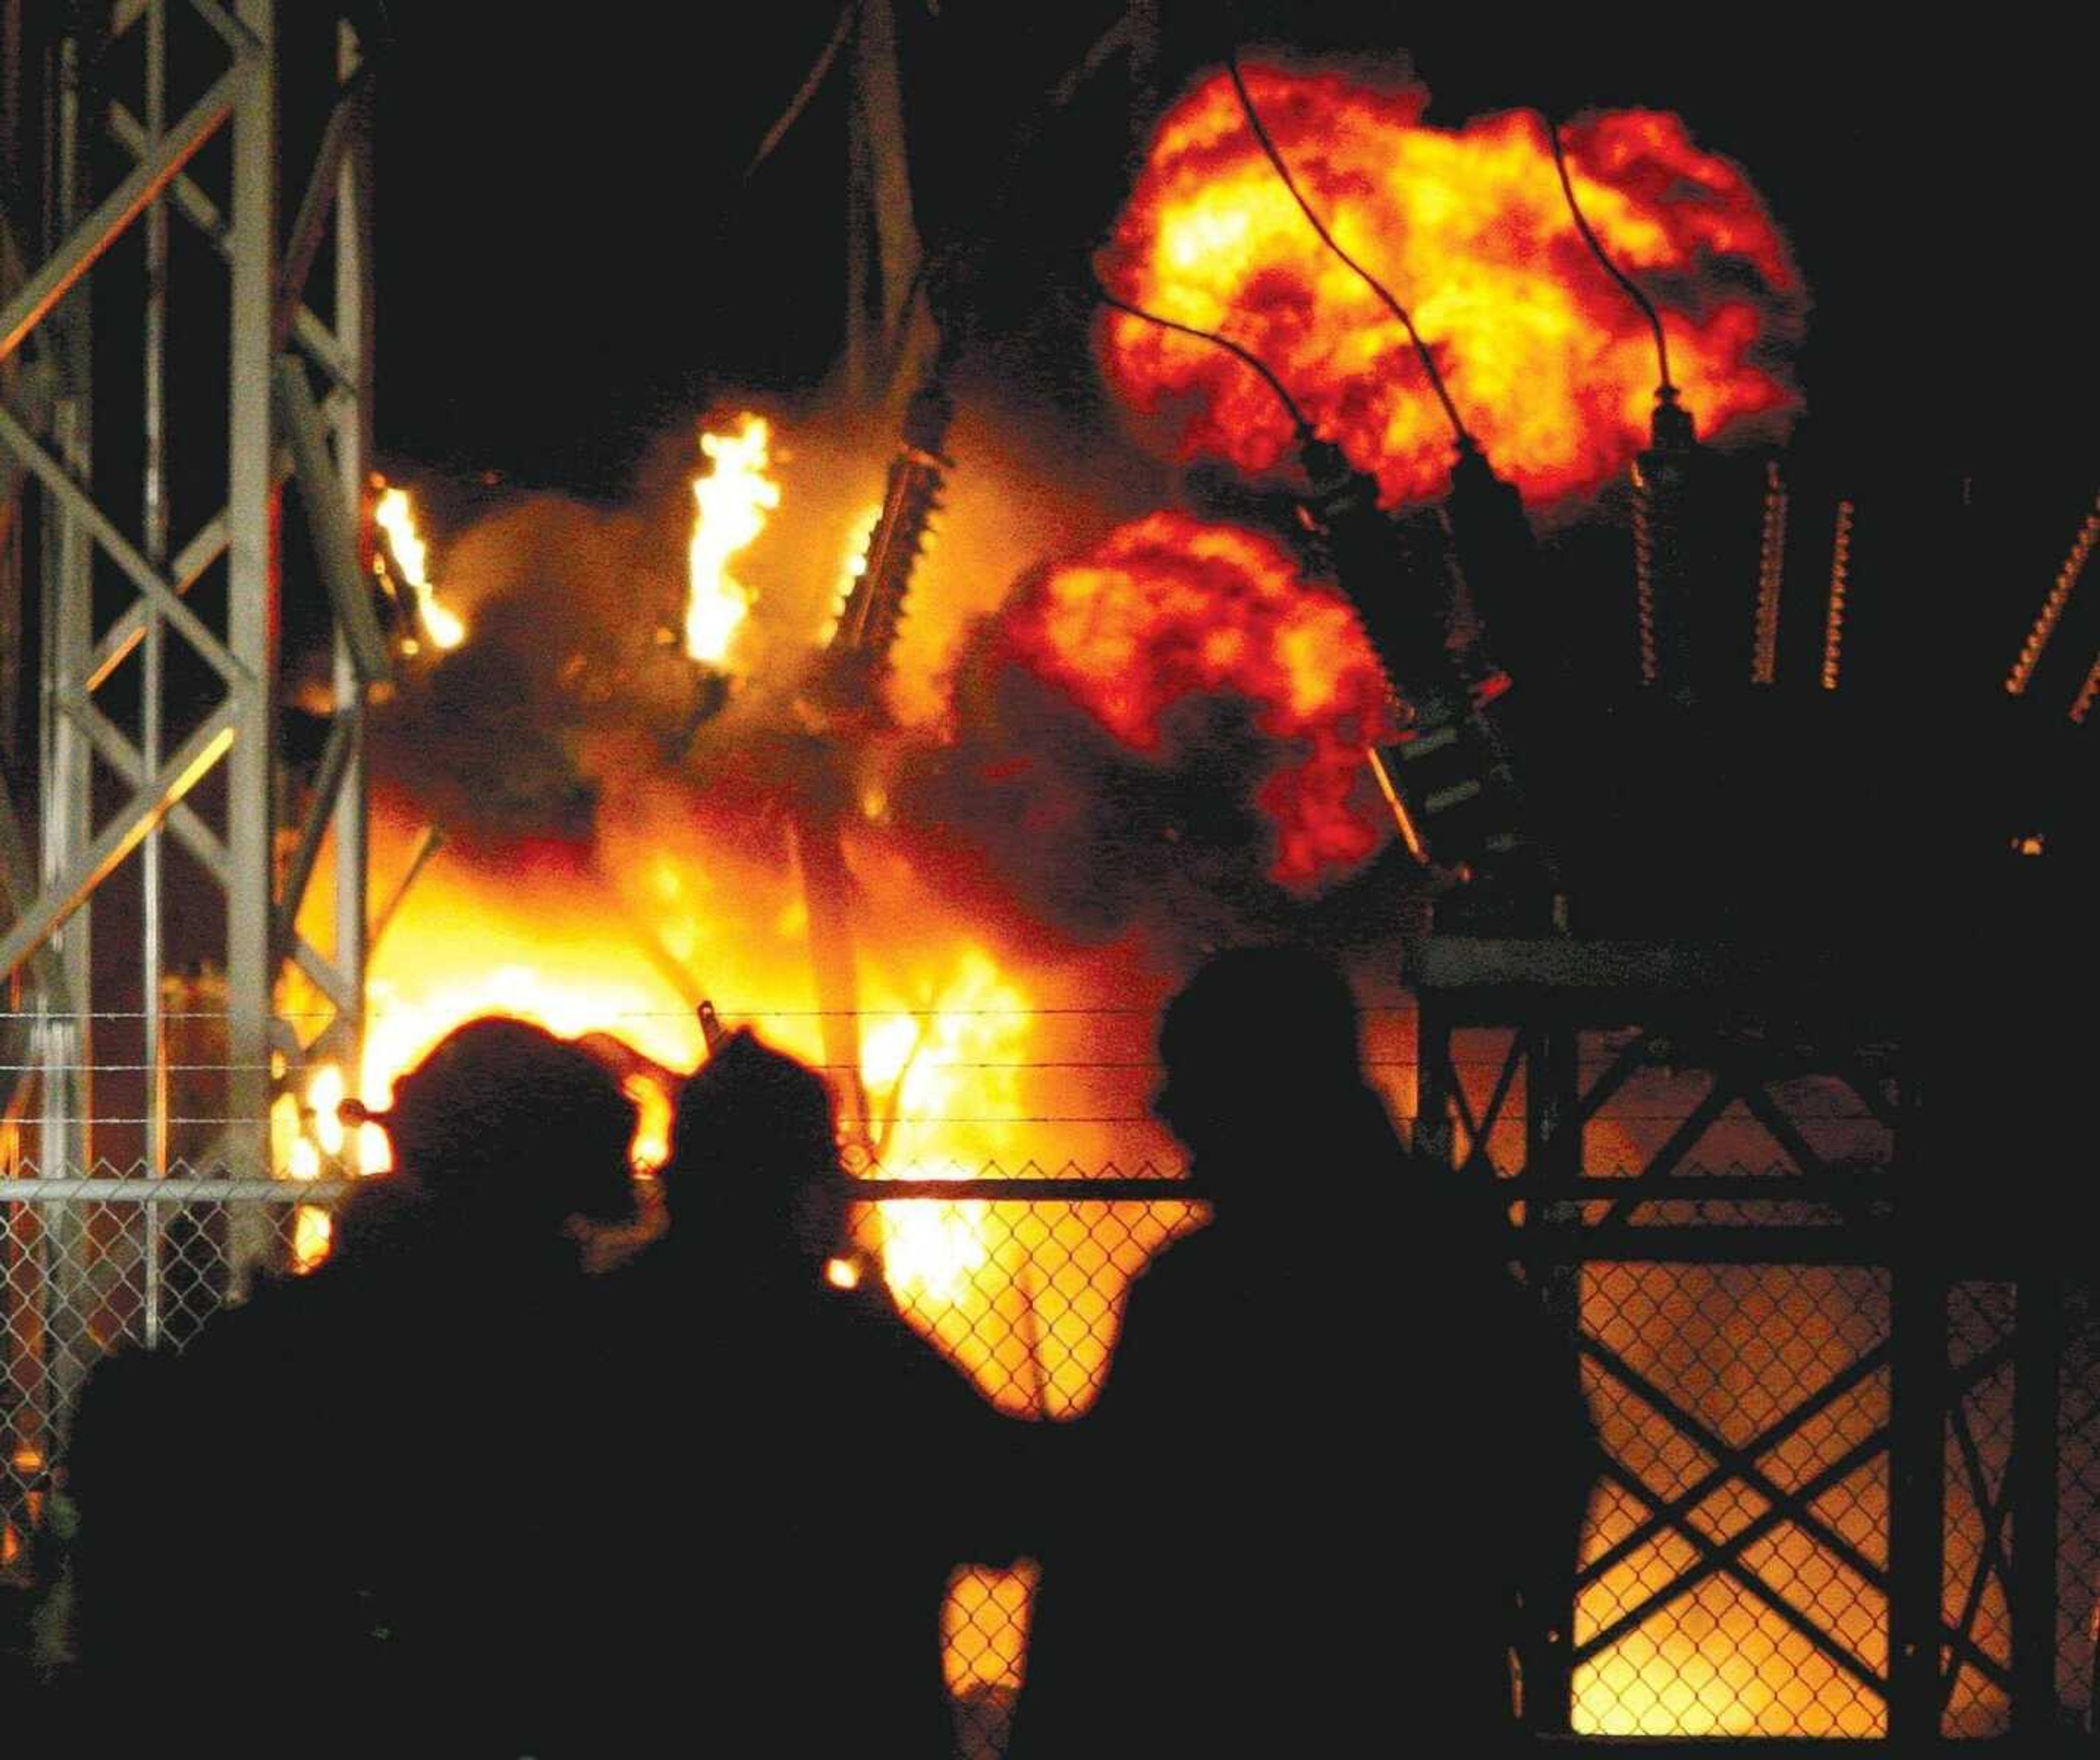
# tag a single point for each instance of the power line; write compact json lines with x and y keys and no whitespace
{"x":1377,"y":287}
{"x":1666,"y":391}
{"x":1247,"y":355}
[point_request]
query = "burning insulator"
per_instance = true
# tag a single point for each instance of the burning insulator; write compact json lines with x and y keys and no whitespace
{"x":1413,"y":591}
{"x":874,"y":609}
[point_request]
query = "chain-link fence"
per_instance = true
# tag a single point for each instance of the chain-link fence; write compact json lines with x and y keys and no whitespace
{"x":1737,"y":1576}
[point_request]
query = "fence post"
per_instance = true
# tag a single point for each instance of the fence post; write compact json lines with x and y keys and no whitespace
{"x":1553,"y":1153}
{"x":1434,"y":1137}
{"x":2038,"y":1345}
{"x":1918,"y":1422}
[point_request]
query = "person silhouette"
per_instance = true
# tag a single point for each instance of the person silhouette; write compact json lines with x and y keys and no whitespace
{"x":1290,"y":1527}
{"x":349,"y":1494}
{"x":818,"y":1469}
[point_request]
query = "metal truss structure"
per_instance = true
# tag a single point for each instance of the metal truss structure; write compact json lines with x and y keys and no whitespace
{"x":1897,"y":1514}
{"x":185,"y":624}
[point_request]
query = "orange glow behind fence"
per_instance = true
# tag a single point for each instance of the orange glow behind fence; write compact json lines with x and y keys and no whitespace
{"x":1551,"y":366}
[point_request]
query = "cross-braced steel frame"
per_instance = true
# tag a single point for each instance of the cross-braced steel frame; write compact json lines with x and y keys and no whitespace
{"x":1555,"y":1032}
{"x":298,"y":388}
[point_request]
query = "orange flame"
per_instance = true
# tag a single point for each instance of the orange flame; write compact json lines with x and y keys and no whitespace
{"x":1168,"y":607}
{"x":852,"y":566}
{"x":1551,"y":366}
{"x":731,"y":505}
{"x":395,"y":515}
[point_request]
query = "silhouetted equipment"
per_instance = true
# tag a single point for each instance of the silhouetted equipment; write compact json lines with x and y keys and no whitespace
{"x":1665,"y":571}
{"x":860,"y":647}
{"x":1411,"y":587}
{"x":847,"y":698}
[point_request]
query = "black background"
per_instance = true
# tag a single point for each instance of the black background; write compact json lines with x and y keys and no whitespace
{"x":569,"y":258}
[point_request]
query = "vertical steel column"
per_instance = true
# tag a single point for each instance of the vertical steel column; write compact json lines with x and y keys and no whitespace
{"x":155,"y":544}
{"x":1434,"y":1134}
{"x":251,"y":635}
{"x":65,"y":1027}
{"x":1918,"y":1386}
{"x":1553,"y":1152}
{"x":2037,"y":1373}
{"x":353,"y":452}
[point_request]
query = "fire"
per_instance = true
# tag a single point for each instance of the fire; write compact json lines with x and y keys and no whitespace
{"x":395,"y":515}
{"x":652,"y":1128}
{"x":1167,"y":608}
{"x":1551,"y":366}
{"x":313,"y":1234}
{"x":917,"y":1065}
{"x":852,"y":566}
{"x":731,"y":505}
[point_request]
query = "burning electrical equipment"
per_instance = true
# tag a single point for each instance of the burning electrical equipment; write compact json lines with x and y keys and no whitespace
{"x":1356,"y":654}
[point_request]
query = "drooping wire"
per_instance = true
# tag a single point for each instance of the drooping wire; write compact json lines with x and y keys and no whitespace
{"x":1247,"y":354}
{"x":841,"y":32}
{"x":1666,"y":391}
{"x":1377,"y":287}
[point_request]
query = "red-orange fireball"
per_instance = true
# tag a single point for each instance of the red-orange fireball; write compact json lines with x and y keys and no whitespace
{"x":1169,"y":607}
{"x":1551,"y":366}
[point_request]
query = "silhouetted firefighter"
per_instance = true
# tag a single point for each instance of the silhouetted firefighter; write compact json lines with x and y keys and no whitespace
{"x":811,"y":1470}
{"x":337,"y":1524}
{"x":1337,"y":1445}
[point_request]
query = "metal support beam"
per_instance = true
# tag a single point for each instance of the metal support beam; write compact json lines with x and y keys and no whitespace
{"x":252,"y":624}
{"x":94,"y":236}
{"x":346,"y":122}
{"x":1918,"y":1386}
{"x":68,"y":890}
{"x":2037,"y":1376}
{"x":1553,"y":1151}
{"x":76,"y":855}
{"x":350,"y":827}
{"x":68,"y":487}
{"x":333,"y":523}
{"x":129,"y":762}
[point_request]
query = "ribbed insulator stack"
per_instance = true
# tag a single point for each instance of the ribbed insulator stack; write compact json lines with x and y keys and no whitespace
{"x":1772,"y":570}
{"x":2051,"y":613}
{"x":873,"y":610}
{"x":1663,"y":536}
{"x":1834,"y":617}
{"x":2082,"y":705}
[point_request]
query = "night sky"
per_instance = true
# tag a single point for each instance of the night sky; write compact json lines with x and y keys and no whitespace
{"x":569,"y":262}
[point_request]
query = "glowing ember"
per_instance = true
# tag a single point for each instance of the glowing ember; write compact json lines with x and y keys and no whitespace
{"x":1551,"y":366}
{"x":730,"y":504}
{"x":842,"y":1273}
{"x":396,"y":516}
{"x":1167,"y":608}
{"x":652,"y":1128}
{"x":313,"y":1233}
